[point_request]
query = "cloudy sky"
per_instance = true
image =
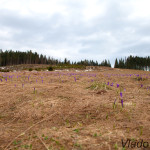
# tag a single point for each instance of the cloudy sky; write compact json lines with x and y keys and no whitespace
{"x":76,"y":29}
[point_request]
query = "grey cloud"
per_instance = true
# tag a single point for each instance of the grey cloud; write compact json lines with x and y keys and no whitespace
{"x":71,"y":31}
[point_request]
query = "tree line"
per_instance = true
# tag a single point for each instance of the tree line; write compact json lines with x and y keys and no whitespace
{"x":10,"y":57}
{"x":133,"y":62}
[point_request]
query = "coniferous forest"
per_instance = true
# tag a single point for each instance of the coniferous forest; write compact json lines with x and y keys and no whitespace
{"x":10,"y":57}
{"x":133,"y":62}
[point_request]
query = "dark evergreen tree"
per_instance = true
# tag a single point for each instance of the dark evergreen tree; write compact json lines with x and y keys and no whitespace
{"x":105,"y":63}
{"x":116,"y":64}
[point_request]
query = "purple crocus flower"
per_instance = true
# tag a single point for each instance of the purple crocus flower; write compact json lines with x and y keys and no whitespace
{"x":108,"y":83}
{"x":117,"y":85}
{"x":75,"y":79}
{"x":42,"y":81}
{"x":6,"y":79}
{"x":141,"y":85}
{"x":121,"y":94}
{"x":122,"y":102}
{"x":111,"y":84}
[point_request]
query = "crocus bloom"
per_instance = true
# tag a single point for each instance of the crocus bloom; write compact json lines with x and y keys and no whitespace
{"x":121,"y":94}
{"x":122,"y":102}
{"x":117,"y":85}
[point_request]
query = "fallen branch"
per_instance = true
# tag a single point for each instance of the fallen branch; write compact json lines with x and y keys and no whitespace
{"x":42,"y":142}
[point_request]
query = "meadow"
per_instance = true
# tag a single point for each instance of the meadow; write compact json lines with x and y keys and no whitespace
{"x":74,"y":109}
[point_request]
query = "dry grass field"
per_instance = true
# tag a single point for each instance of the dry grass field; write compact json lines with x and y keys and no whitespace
{"x":69,"y":110}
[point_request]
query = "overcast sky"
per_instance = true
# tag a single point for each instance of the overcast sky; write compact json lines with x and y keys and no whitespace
{"x":76,"y":29}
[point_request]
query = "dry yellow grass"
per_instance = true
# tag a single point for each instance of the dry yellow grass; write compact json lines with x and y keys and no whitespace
{"x":63,"y":114}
